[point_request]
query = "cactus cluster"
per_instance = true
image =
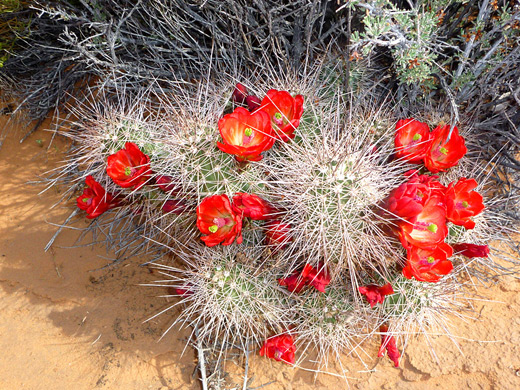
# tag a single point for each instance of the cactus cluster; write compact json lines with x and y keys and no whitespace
{"x":306,"y":236}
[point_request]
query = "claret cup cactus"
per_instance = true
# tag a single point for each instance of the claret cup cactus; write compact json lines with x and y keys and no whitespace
{"x":299,"y":222}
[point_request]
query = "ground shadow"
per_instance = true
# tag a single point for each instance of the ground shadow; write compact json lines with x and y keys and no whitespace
{"x":102,"y":312}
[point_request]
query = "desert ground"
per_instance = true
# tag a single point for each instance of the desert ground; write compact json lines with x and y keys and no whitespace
{"x":67,"y":322}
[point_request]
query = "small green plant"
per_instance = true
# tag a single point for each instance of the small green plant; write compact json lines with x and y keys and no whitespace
{"x":11,"y":28}
{"x":437,"y":39}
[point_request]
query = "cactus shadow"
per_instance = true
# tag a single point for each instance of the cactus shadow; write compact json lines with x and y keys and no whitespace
{"x":63,"y":291}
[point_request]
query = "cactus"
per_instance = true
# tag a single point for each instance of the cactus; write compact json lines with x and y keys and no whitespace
{"x":332,"y":184}
{"x":227,"y":295}
{"x":329,"y":186}
{"x":332,"y":323}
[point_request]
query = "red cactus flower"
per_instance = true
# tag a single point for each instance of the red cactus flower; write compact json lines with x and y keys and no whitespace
{"x":280,"y":348}
{"x":376,"y":294}
{"x":463,"y":203}
{"x":428,"y":228}
{"x":277,"y":234}
{"x":428,"y":265}
{"x":404,"y":201}
{"x":239,"y":94}
{"x":412,"y":172}
{"x":166,"y":184}
{"x":216,"y":219}
{"x":412,"y":140}
{"x":429,"y":186}
{"x":183,"y":292}
{"x":176,"y":206}
{"x":444,"y":153}
{"x":95,"y":200}
{"x":252,"y":206}
{"x":297,"y":280}
{"x":253,"y":103}
{"x":319,"y":278}
{"x":407,"y":200}
{"x":129,"y":167}
{"x":389,"y":344}
{"x":471,"y":250}
{"x":245,"y":135}
{"x":284,"y":111}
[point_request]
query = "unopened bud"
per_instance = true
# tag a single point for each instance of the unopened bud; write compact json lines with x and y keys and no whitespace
{"x":239,"y":94}
{"x":253,"y":103}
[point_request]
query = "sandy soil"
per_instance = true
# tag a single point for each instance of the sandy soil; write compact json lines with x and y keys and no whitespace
{"x":65,"y":324}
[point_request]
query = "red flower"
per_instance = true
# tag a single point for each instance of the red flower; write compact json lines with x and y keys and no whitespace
{"x":252,"y":206}
{"x":405,"y":201}
{"x":413,"y":172}
{"x":462,"y":202}
{"x":280,"y":348}
{"x":428,"y":265}
{"x":245,"y":135}
{"x":95,"y":200}
{"x":239,"y":94}
{"x":408,"y":200}
{"x":429,"y":186}
{"x":428,"y":228}
{"x":388,"y":342}
{"x":471,"y":250}
{"x":285,"y":112}
{"x":253,"y":102}
{"x":166,"y":184}
{"x":129,"y":168}
{"x":175,"y":206}
{"x":216,"y":218}
{"x":412,"y":140}
{"x":376,"y":294}
{"x":318,"y":278}
{"x":444,"y":153}
{"x":183,"y":292}
{"x":277,"y":234}
{"x":298,"y":280}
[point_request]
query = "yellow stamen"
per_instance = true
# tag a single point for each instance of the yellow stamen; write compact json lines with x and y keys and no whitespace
{"x":432,"y":228}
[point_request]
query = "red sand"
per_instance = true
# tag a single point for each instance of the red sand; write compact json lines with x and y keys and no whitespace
{"x":64,"y":325}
